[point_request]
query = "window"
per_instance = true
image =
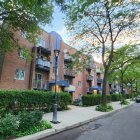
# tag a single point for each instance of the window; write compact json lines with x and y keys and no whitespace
{"x":38,"y":80}
{"x":41,"y":42}
{"x":23,"y":34}
{"x":19,"y":74}
{"x":21,"y":53}
{"x":79,"y":84}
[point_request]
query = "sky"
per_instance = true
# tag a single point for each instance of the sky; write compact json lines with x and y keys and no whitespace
{"x":57,"y":24}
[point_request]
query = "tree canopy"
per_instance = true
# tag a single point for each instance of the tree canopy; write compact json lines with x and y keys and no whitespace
{"x":24,"y":16}
{"x":103,"y":26}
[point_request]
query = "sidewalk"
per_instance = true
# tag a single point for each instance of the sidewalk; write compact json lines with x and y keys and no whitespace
{"x":74,"y":117}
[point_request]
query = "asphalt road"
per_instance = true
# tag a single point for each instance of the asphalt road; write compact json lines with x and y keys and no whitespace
{"x":123,"y":125}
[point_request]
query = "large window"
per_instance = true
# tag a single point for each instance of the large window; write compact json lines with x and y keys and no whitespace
{"x":79,"y":84}
{"x":41,"y":42}
{"x":20,"y":74}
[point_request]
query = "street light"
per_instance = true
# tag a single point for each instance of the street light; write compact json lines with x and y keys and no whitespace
{"x":56,"y":54}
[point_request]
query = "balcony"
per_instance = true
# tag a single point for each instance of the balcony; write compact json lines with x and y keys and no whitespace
{"x":71,"y":88}
{"x":89,"y":66}
{"x":67,"y":58}
{"x":89,"y":77}
{"x":98,"y":70}
{"x":42,"y":64}
{"x":99,"y":80}
{"x":69,"y":73}
{"x":43,"y":50}
{"x":38,"y":85}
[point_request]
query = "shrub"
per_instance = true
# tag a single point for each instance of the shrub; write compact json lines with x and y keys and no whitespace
{"x":94,"y":99}
{"x":64,"y":99}
{"x":77,"y":102}
{"x":124,"y":102}
{"x":28,"y":119}
{"x":19,"y":100}
{"x":90,"y":100}
{"x":42,"y":125}
{"x":104,"y":108}
{"x":23,"y":124}
{"x":116,"y":97}
{"x":8,"y":126}
{"x":108,"y":98}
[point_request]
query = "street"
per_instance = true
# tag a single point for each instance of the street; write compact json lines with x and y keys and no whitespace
{"x":123,"y":125}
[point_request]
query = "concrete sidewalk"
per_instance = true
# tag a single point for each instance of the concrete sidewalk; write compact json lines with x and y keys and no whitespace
{"x":74,"y":117}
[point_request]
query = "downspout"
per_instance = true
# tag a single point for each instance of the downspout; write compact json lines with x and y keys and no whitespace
{"x":2,"y":56}
{"x":32,"y":67}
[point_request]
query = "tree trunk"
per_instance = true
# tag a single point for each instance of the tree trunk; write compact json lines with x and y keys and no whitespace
{"x":122,"y":83}
{"x":104,"y":87}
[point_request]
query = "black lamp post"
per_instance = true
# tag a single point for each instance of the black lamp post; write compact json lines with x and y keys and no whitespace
{"x":54,"y":119}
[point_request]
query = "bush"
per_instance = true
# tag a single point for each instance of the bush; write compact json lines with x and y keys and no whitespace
{"x":8,"y":126}
{"x":42,"y":125}
{"x":94,"y":99}
{"x":129,"y":96}
{"x":116,"y":97}
{"x":23,"y":124}
{"x":90,"y":100}
{"x":28,"y":119}
{"x":124,"y":102}
{"x":104,"y":108}
{"x":64,"y":99}
{"x":19,"y":100}
{"x":77,"y":102}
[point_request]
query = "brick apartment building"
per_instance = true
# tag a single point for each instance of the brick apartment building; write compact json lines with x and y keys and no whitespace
{"x":17,"y":72}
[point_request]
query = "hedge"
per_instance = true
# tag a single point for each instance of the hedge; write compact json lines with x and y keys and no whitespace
{"x":29,"y":100}
{"x":116,"y":97}
{"x":95,"y":99}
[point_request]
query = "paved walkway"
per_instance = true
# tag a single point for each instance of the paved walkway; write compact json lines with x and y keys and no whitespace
{"x":71,"y":118}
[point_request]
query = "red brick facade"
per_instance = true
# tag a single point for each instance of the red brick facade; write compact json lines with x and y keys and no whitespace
{"x":82,"y":81}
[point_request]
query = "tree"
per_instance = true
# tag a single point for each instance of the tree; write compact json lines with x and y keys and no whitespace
{"x":124,"y":59}
{"x":24,"y":16}
{"x":100,"y":25}
{"x":132,"y":75}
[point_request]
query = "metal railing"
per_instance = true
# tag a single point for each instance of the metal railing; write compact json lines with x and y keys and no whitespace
{"x":43,"y":63}
{"x":39,"y":85}
{"x":69,"y":72}
{"x":89,"y":77}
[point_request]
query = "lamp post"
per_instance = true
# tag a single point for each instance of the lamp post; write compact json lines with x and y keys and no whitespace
{"x":54,"y":119}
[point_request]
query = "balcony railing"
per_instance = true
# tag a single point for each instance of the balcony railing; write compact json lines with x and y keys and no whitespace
{"x":89,"y":77}
{"x":38,"y":85}
{"x":99,"y":80}
{"x":42,"y":64}
{"x":69,"y":73}
{"x":71,"y":88}
{"x":67,"y":58}
{"x":43,"y":50}
{"x":89,"y":66}
{"x":98,"y":70}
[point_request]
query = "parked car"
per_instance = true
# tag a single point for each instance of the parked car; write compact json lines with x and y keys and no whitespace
{"x":138,"y":99}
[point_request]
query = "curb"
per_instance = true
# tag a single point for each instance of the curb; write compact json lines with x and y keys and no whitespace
{"x":49,"y":132}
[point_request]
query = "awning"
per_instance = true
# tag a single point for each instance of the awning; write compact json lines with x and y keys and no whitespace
{"x":71,"y":88}
{"x":62,"y":83}
{"x":95,"y":88}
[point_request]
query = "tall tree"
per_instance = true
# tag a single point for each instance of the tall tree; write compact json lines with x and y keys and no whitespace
{"x":24,"y":15}
{"x":125,"y":59}
{"x":101,"y":25}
